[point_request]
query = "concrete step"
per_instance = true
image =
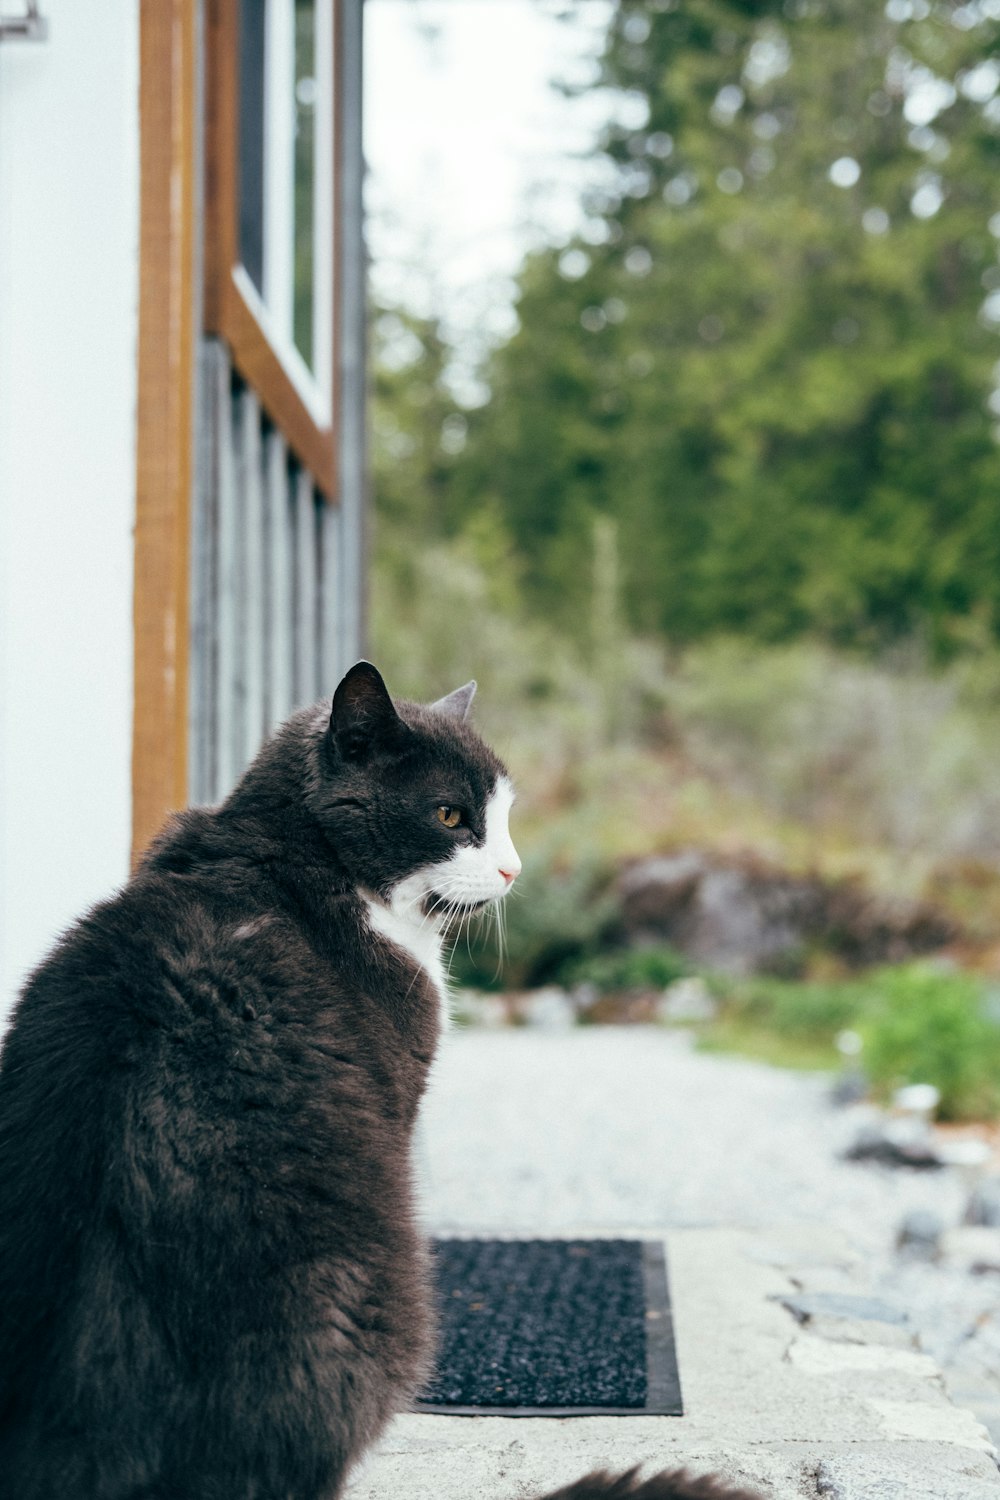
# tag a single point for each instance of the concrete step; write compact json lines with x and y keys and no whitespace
{"x":796,"y":1381}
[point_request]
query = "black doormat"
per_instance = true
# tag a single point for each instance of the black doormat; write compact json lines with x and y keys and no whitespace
{"x":557,"y":1328}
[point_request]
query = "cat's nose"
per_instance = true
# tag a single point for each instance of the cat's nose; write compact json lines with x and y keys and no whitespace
{"x":511,"y":875}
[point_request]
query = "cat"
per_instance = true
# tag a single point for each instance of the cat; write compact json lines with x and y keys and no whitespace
{"x":212,"y":1284}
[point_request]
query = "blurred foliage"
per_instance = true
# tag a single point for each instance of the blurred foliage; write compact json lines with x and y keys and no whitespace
{"x":768,"y":361}
{"x":786,"y":1022}
{"x":802,"y":1012}
{"x":919,"y":1024}
{"x":553,"y":919}
{"x":882,"y":768}
{"x":625,"y":969}
{"x":929,"y":1026}
{"x":722,"y":547}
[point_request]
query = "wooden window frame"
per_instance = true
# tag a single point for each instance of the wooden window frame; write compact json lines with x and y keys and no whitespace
{"x":233,"y":310}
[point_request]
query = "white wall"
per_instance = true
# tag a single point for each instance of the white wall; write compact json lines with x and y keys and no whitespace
{"x":69,"y":230}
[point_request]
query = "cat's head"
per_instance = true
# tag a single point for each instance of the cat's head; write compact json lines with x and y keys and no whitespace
{"x":414,"y":802}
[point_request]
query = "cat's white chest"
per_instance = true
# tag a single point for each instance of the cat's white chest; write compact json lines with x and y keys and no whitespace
{"x":404,"y":925}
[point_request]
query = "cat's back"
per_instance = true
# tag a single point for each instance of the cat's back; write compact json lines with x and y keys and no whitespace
{"x":178,"y":1023}
{"x":201,"y":1144}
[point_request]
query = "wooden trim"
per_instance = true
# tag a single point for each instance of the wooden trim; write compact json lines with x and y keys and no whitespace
{"x":167,"y":53}
{"x":257,"y":360}
{"x":227,"y":312}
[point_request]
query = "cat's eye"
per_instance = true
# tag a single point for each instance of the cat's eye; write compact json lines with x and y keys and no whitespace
{"x":451,"y":817}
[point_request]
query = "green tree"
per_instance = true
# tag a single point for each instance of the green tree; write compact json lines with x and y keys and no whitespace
{"x":771,"y":355}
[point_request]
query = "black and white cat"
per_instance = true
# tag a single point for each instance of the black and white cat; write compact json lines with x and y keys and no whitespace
{"x":212,"y":1286}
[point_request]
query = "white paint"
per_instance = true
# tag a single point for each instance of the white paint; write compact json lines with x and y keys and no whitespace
{"x":69,"y":229}
{"x":474,"y":874}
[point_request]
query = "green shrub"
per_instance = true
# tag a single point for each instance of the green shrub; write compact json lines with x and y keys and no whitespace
{"x":802,"y":1012}
{"x":919,"y":1024}
{"x":929,"y":1026}
{"x":626,"y":969}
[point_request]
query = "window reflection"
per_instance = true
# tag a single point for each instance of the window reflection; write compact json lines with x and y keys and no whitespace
{"x":251,"y":140}
{"x":305,"y":178}
{"x":285,"y":171}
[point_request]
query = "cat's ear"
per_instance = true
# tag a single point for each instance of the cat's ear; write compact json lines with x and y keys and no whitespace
{"x":363,"y":714}
{"x":457,"y":704}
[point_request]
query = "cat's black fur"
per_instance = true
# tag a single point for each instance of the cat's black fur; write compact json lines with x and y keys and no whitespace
{"x":211,"y":1286}
{"x":211,"y":1283}
{"x":677,"y":1484}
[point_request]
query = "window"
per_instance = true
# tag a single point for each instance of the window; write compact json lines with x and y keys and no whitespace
{"x":271,"y":191}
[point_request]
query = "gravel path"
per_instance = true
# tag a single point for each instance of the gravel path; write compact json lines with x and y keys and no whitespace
{"x":629,"y":1128}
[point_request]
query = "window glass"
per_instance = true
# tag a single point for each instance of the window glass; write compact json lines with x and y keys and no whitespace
{"x":251,"y":140}
{"x":306,"y":92}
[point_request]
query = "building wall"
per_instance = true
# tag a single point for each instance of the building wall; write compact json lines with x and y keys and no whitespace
{"x":69,"y":231}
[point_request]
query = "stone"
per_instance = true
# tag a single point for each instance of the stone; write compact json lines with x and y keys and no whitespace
{"x":585,"y":996}
{"x":971,"y":1247}
{"x":865,"y":1331}
{"x":745,"y":925}
{"x":931,"y":1422}
{"x":686,"y":1000}
{"x":919,"y":1234}
{"x":741,"y":915}
{"x":550,"y":1009}
{"x":818,"y":1356}
{"x":473,"y":1008}
{"x":920,"y":1099}
{"x":850,"y":1086}
{"x":864,"y":1476}
{"x":807,"y":1306}
{"x":984,"y":1205}
{"x":657,"y":887}
{"x":895,"y":1143}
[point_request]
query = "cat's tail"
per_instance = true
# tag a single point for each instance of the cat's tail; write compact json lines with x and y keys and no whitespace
{"x":677,"y":1484}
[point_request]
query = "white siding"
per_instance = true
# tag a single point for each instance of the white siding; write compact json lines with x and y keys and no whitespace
{"x":69,"y":217}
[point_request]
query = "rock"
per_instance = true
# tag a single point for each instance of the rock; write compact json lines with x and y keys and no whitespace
{"x":971,"y":1248}
{"x":806,"y":1307}
{"x":477,"y":1008}
{"x":550,"y":1009}
{"x":900,"y":1474}
{"x":623,"y":1008}
{"x":584,"y":996}
{"x":737,"y":918}
{"x":917,"y":1099}
{"x":984,"y":1204}
{"x":966,"y":1152}
{"x":743,"y":916}
{"x":895,"y":1143}
{"x":686,"y":1000}
{"x":919,"y":1234}
{"x":818,"y":1356}
{"x":849,"y":1087}
{"x":657,"y":888}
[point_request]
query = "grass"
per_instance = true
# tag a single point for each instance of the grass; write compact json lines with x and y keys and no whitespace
{"x":767,"y":1046}
{"x":919,"y":1023}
